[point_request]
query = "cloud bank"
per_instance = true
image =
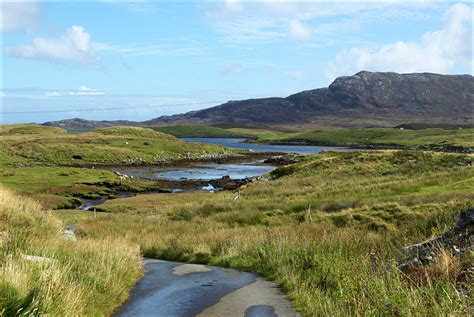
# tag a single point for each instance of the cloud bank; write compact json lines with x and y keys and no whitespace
{"x":439,"y":51}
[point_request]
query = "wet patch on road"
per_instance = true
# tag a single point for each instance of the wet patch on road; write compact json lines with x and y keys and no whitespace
{"x":260,"y":311}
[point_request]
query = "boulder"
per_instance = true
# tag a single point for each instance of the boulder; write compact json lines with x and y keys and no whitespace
{"x":458,"y":241}
{"x":68,"y":232}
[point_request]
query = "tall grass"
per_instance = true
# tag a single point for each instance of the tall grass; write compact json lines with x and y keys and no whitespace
{"x":42,"y":274}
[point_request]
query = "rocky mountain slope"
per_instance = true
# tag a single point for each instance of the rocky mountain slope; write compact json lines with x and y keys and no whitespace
{"x":363,"y":99}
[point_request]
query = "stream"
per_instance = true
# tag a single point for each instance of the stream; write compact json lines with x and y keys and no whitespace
{"x":201,"y":175}
{"x":190,"y":178}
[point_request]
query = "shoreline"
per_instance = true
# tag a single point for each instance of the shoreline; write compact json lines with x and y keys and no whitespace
{"x":433,"y":148}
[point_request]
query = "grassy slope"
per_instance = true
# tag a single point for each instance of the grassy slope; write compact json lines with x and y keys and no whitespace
{"x":83,"y":278}
{"x":38,"y":160}
{"x":380,"y":136}
{"x":60,"y":187}
{"x":361,"y":202}
{"x":116,"y":145}
{"x":200,"y":131}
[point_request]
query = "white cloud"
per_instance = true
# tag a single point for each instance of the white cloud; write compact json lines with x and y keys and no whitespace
{"x":51,"y":94}
{"x":19,"y":16}
{"x":74,"y":46}
{"x":2,"y":94}
{"x":185,"y":48}
{"x":85,"y":91}
{"x":298,"y":30}
{"x":438,"y":51}
{"x":246,"y":21}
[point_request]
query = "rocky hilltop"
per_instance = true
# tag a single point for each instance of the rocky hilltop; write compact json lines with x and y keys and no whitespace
{"x":364,"y":99}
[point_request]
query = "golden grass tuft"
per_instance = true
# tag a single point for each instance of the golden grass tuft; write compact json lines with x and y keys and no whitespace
{"x":87,"y":277}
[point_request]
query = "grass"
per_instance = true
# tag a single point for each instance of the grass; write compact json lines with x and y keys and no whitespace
{"x":60,"y":187}
{"x":86,"y":277}
{"x":361,"y":202}
{"x":380,"y":136}
{"x":28,"y":145}
{"x":200,"y":131}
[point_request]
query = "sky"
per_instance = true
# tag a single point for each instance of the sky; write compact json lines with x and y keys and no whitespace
{"x":109,"y":60}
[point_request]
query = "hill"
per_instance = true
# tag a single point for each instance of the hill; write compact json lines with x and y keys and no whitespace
{"x":35,"y":145}
{"x":362,"y":100}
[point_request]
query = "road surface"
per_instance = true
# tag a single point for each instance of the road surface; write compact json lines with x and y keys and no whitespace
{"x":177,"y":289}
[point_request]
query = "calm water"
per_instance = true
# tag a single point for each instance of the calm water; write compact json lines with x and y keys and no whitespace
{"x":203,"y":171}
{"x":214,"y":171}
{"x":239,"y":144}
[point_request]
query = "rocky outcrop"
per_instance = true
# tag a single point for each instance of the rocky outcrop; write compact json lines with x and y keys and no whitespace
{"x":281,"y":160}
{"x":459,"y":241}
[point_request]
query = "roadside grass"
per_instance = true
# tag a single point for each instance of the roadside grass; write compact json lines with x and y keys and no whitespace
{"x":200,"y":131}
{"x":67,"y":278}
{"x":380,"y":136}
{"x":360,"y":202}
{"x":38,"y":145}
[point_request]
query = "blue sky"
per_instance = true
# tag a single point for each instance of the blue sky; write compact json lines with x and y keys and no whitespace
{"x":145,"y":59}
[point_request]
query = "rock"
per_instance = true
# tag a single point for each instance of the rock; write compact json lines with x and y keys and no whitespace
{"x":68,"y":232}
{"x":122,"y":176}
{"x":69,"y":235}
{"x":71,"y":226}
{"x":228,"y":183}
{"x":281,"y":160}
{"x":38,"y":259}
{"x":465,"y":223}
{"x":458,"y":241}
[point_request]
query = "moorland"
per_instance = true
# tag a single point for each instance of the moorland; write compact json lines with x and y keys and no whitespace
{"x":312,"y":225}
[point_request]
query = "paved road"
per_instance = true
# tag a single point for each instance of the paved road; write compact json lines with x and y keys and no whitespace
{"x":176,"y":289}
